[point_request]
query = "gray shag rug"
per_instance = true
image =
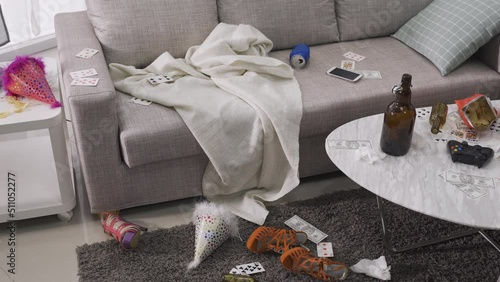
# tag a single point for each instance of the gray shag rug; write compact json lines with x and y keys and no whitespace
{"x":350,"y":219}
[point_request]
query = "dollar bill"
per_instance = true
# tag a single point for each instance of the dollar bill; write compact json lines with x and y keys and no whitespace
{"x":461,"y":178}
{"x":349,"y":144}
{"x":471,"y":191}
{"x":313,"y":234}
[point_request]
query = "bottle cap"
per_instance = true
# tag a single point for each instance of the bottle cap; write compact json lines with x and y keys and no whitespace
{"x":406,"y":79}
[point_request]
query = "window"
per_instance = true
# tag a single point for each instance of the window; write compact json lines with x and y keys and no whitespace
{"x":30,"y":23}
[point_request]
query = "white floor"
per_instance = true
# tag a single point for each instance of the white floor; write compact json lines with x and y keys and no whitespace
{"x":45,"y":247}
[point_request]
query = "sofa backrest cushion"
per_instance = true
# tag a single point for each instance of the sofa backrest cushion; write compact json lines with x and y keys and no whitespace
{"x":360,"y":19}
{"x":285,"y":22}
{"x":135,"y":32}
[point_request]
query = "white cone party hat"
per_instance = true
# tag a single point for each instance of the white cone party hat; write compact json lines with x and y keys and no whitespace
{"x":214,"y":225}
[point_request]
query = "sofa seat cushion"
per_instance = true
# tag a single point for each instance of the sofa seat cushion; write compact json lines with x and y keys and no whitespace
{"x":155,"y":133}
{"x":152,"y":133}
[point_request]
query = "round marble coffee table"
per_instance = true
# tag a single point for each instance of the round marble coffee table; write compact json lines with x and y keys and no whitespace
{"x":417,"y":180}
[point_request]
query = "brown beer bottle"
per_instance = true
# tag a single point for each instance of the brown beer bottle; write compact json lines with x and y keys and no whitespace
{"x":399,"y":119}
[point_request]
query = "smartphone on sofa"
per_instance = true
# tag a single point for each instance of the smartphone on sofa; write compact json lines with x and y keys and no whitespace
{"x":344,"y":74}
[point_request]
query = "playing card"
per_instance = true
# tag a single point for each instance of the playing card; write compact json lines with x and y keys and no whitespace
{"x":313,"y":234}
{"x":349,"y":144}
{"x":325,"y":250}
{"x":348,"y":65}
{"x":471,"y":191}
{"x":85,"y":81}
{"x":154,"y":80}
{"x":354,"y":56}
{"x":453,"y":116}
{"x":250,"y":268}
{"x":460,"y":124}
{"x":461,"y":178}
{"x":83,"y":73}
{"x":139,"y":101}
{"x":87,"y":53}
{"x":235,"y":271}
{"x":469,"y":135}
{"x":368,"y":74}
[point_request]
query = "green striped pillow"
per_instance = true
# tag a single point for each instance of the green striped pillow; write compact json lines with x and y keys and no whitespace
{"x":448,"y":32}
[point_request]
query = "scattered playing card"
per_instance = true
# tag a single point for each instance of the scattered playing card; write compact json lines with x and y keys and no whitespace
{"x":354,"y":56}
{"x":469,"y":135}
{"x":325,"y":250}
{"x":348,"y":65}
{"x":87,"y":53}
{"x":155,"y":80}
{"x":139,"y":101}
{"x":250,"y":268}
{"x":83,"y":73}
{"x":85,"y":81}
{"x":235,"y":271}
{"x":368,"y":74}
{"x":313,"y":234}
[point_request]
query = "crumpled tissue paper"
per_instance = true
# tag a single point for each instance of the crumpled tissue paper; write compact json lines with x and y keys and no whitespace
{"x":374,"y":268}
{"x":368,"y":155}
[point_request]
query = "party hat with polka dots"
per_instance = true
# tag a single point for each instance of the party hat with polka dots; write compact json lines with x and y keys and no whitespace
{"x":25,"y":76}
{"x":214,"y":225}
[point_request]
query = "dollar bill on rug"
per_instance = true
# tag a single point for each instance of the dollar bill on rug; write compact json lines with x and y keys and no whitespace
{"x":351,"y":220}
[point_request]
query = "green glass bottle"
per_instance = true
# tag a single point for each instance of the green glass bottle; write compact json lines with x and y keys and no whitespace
{"x":399,"y":120}
{"x":438,"y":117}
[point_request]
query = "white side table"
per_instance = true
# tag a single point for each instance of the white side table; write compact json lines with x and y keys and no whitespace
{"x":33,"y":147}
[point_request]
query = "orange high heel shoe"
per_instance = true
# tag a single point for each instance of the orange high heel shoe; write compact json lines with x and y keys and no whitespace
{"x":300,"y":260}
{"x":264,"y":239}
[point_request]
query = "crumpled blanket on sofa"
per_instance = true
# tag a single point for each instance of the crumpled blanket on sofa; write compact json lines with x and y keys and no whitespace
{"x":243,"y":107}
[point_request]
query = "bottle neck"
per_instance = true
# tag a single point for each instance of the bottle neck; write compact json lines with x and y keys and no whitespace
{"x":404,"y":96}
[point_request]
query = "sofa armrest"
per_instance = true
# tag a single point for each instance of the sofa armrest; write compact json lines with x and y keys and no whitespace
{"x":490,"y":53}
{"x":93,"y":110}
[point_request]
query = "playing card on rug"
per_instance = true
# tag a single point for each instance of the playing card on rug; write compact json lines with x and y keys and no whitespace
{"x":368,"y":74}
{"x":348,"y":65}
{"x":325,"y":250}
{"x":354,"y":56}
{"x":87,"y":53}
{"x":313,"y":234}
{"x":235,"y":271}
{"x":83,"y":73}
{"x":349,"y":144}
{"x":85,"y":81}
{"x":250,"y":268}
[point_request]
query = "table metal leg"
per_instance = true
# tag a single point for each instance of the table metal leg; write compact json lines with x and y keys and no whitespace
{"x":392,"y":248}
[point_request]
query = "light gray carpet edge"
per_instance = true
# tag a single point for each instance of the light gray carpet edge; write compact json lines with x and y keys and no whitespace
{"x":351,"y":220}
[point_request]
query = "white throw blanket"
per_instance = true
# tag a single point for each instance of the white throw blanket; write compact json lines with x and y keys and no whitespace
{"x":243,"y":108}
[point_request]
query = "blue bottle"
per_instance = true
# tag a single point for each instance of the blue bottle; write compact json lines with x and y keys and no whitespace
{"x":300,"y":56}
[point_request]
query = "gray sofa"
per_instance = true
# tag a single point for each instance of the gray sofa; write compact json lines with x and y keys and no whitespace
{"x":134,"y":155}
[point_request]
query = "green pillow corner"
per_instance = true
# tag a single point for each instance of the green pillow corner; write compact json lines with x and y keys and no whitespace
{"x":448,"y":32}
